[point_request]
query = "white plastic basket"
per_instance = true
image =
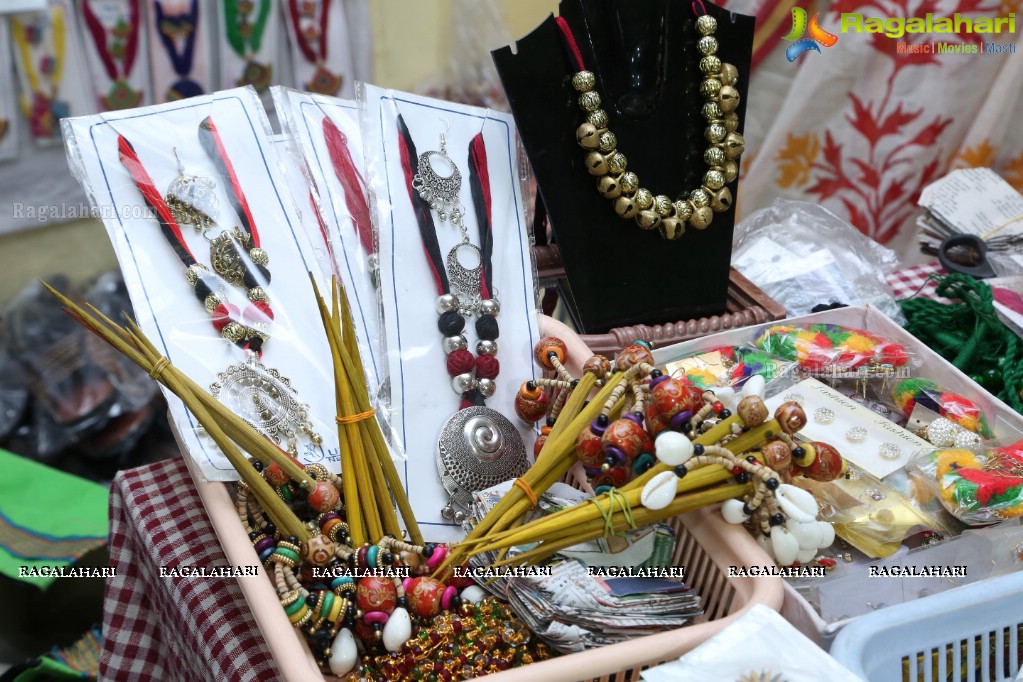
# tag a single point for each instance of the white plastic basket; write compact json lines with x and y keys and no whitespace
{"x":972,"y":633}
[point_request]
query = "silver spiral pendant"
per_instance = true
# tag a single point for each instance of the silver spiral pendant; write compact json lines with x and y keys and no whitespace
{"x":266,"y":400}
{"x":478,"y":448}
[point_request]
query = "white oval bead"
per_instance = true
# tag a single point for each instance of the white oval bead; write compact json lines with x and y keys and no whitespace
{"x":343,"y":653}
{"x":827,"y":534}
{"x":726,"y":396}
{"x":806,"y":556}
{"x":807,"y":534}
{"x":785,"y":545}
{"x":659,"y":491}
{"x":398,"y":630}
{"x":732,"y":512}
{"x":755,"y":385}
{"x":796,"y":503}
{"x":473,"y":594}
{"x":672,"y":448}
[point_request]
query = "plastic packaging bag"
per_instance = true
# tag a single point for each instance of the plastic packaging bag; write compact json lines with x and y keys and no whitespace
{"x":978,"y":486}
{"x":955,"y":407}
{"x":729,"y":366}
{"x":830,"y":349}
{"x":217,"y":263}
{"x":432,"y":343}
{"x":803,"y":255}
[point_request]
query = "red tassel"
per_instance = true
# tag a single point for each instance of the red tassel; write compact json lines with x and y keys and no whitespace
{"x":351,"y":181}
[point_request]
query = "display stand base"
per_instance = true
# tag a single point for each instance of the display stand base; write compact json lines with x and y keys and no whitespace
{"x":747,"y":305}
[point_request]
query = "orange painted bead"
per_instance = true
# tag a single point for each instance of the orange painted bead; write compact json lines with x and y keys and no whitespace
{"x":424,"y":595}
{"x":546,"y":346}
{"x":376,"y":594}
{"x":632,"y":355}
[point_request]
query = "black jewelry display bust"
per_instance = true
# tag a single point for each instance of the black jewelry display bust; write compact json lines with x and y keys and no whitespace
{"x":643,"y":53}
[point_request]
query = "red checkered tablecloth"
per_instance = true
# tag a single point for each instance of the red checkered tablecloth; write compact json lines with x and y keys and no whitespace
{"x":910,"y":282}
{"x":173,"y":629}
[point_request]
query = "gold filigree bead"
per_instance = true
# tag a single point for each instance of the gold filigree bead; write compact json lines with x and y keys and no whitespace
{"x":710,"y":65}
{"x":195,"y":272}
{"x":672,"y":228}
{"x":211,"y":302}
{"x":629,"y":182}
{"x":584,"y":81}
{"x":233,"y":332}
{"x":734,"y":145}
{"x":259,"y":256}
{"x":715,"y":133}
{"x":607,"y":142}
{"x":684,"y":209}
{"x":609,"y":187}
{"x":648,"y":220}
{"x":731,"y":122}
{"x":626,"y":208}
{"x":589,"y":101}
{"x":701,"y":218}
{"x":710,"y":87}
{"x":663,"y":206}
{"x":699,"y":198}
{"x":596,"y":163}
{"x":706,"y":25}
{"x":729,"y":74}
{"x":616,"y":163}
{"x":714,"y":180}
{"x":644,"y":198}
{"x":707,"y":45}
{"x":728,"y":99}
{"x":721,"y":200}
{"x":258,"y":294}
{"x":731,"y":170}
{"x":714,"y":156}
{"x":587,"y":136}
{"x":598,"y":119}
{"x":712,"y":111}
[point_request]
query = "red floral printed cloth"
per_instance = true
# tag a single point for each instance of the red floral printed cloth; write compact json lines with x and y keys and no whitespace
{"x":179,"y":629}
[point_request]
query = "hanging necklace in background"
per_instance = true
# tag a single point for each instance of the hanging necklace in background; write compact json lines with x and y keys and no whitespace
{"x":116,"y":38}
{"x":181,"y":29}
{"x":311,"y":38}
{"x":42,"y":108}
{"x":478,"y":447}
{"x":245,"y":35}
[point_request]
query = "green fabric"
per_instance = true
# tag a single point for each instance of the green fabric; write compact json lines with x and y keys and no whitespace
{"x":47,"y":517}
{"x":47,"y":670}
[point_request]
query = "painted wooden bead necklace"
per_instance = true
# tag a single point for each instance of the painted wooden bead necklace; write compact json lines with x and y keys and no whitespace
{"x":604,"y":160}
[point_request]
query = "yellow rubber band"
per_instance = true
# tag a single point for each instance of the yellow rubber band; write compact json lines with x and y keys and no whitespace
{"x":355,"y":418}
{"x":524,"y":486}
{"x":158,"y":368}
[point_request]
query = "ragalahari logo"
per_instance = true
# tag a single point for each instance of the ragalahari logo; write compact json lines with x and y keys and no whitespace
{"x":818,"y":36}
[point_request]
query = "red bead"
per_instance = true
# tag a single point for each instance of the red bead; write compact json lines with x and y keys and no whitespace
{"x":736,"y":470}
{"x":616,"y":477}
{"x":258,"y":311}
{"x":324,"y":497}
{"x":827,"y":562}
{"x":654,"y":424}
{"x":275,"y":475}
{"x":598,"y":366}
{"x":223,"y":314}
{"x":588,"y":449}
{"x":632,"y":355}
{"x":629,"y":437}
{"x":531,"y":406}
{"x":546,"y":345}
{"x":424,"y":595}
{"x":826,"y":466}
{"x":376,"y":594}
{"x":538,"y":445}
{"x":674,"y":395}
{"x":460,"y":362}
{"x":461,"y":582}
{"x":717,"y":407}
{"x":487,"y":367}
